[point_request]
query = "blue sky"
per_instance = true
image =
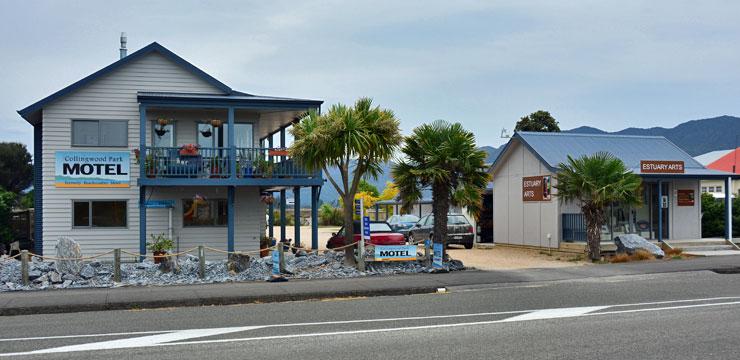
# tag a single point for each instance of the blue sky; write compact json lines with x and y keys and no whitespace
{"x":607,"y":64}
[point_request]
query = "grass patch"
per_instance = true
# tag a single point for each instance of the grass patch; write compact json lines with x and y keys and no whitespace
{"x":545,"y":253}
{"x":576,"y":258}
{"x":673,"y":252}
{"x":643,"y":255}
{"x":639,"y":255}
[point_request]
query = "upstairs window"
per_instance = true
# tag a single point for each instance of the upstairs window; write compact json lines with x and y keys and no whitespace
{"x":109,"y":133}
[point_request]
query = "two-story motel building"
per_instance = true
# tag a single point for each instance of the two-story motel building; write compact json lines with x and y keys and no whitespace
{"x":150,"y":144}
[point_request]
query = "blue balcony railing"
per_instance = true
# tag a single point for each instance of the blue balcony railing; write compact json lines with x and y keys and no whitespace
{"x":215,"y":162}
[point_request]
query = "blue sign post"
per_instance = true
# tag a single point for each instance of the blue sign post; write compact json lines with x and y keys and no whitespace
{"x":437,"y":259}
{"x":276,"y":262}
{"x":366,"y":227}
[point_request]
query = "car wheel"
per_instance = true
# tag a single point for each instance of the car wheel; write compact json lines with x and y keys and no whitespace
{"x":469,"y":245}
{"x":410,"y":239}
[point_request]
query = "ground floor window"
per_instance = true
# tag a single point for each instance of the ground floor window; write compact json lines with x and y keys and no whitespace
{"x":99,"y":213}
{"x":202,"y":212}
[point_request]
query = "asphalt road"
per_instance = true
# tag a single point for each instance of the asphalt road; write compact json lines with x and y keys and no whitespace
{"x":687,"y":315}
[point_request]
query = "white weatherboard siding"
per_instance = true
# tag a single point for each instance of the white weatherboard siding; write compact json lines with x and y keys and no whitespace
{"x":515,"y":221}
{"x":112,"y":96}
{"x":685,"y":221}
{"x":186,"y":123}
{"x":249,"y":216}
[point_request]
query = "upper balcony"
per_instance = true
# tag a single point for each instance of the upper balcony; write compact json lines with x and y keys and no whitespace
{"x":194,"y":165}
{"x":237,"y":139}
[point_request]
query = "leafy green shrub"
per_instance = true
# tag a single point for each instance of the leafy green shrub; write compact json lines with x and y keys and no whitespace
{"x":330,"y":216}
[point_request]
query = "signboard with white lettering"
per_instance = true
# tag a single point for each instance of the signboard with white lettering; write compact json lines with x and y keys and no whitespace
{"x":276,"y":262}
{"x":366,"y":227}
{"x":661,"y":167}
{"x":92,"y":169}
{"x":437,"y":258}
{"x":536,"y":188}
{"x":395,"y":252}
{"x":159,"y":204}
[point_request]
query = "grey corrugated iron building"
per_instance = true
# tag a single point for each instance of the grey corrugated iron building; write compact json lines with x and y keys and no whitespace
{"x":530,"y":216}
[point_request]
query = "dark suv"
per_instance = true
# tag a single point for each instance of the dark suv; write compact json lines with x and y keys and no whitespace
{"x":459,"y":230}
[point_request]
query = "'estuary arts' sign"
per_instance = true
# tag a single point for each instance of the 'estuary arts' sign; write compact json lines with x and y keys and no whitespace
{"x":92,"y":169}
{"x":536,"y":188}
{"x":661,"y":167}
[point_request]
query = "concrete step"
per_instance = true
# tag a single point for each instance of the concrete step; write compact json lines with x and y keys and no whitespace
{"x":707,"y":248}
{"x":696,"y":242}
{"x":713,"y":253}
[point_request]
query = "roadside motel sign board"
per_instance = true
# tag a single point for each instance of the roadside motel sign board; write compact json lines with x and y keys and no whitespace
{"x":395,"y":252}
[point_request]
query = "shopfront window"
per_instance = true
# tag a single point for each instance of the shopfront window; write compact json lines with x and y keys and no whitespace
{"x":202,"y":212}
{"x":94,"y":213}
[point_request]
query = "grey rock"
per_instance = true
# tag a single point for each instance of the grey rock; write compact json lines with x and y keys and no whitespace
{"x":38,"y":279}
{"x":69,"y":277}
{"x":629,"y":243}
{"x":67,"y":248}
{"x":87,"y":272}
{"x":238,"y":262}
{"x":54,"y":277}
{"x":34,"y":274}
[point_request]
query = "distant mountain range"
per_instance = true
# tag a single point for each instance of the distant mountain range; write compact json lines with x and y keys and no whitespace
{"x":696,"y":137}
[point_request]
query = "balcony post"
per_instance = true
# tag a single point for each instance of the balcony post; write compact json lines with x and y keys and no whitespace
{"x":230,"y":218}
{"x":232,"y":145}
{"x":142,"y":140}
{"x":142,"y":223}
{"x":269,"y":146}
{"x":297,"y":216}
{"x":314,"y":218}
{"x":282,"y":215}
{"x":271,"y":220}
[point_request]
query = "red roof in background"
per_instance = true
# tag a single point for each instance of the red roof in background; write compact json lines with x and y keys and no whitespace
{"x":730,"y":162}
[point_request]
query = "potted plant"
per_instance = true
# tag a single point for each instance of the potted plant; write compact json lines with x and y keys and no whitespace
{"x":264,"y":168}
{"x":215,"y":167}
{"x":159,"y":246}
{"x":150,"y":168}
{"x":189,"y":150}
{"x":265,"y":243}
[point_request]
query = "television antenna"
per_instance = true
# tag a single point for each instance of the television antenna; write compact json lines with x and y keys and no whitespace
{"x":505,"y":133}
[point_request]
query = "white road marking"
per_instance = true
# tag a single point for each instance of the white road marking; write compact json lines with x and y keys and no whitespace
{"x":555,"y":313}
{"x":85,"y":335}
{"x":144,"y":341}
{"x":175,"y":337}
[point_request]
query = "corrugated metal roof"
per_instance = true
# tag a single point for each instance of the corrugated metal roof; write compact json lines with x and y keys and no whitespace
{"x":230,"y":97}
{"x":554,"y":149}
{"x":712,"y":156}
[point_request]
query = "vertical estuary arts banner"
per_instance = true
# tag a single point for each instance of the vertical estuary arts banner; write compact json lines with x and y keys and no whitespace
{"x":92,"y":169}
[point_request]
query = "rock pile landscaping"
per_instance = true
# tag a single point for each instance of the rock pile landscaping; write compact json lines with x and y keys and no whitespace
{"x":51,"y":275}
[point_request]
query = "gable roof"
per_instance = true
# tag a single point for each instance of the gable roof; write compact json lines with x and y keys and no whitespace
{"x":722,"y":160}
{"x":554,"y":148}
{"x":32,"y":112}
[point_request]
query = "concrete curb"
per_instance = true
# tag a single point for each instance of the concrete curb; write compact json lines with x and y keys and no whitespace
{"x":213,"y":300}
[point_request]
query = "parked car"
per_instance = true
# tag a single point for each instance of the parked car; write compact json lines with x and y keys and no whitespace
{"x":380,"y":234}
{"x":459,"y":230}
{"x":403,"y":223}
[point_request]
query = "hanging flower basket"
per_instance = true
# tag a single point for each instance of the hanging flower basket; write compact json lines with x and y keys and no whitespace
{"x":267,"y":198}
{"x":163,"y":122}
{"x":160,"y":131}
{"x":216,"y":123}
{"x":206,"y":132}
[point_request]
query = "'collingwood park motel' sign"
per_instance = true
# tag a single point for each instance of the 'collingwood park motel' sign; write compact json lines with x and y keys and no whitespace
{"x":92,"y":169}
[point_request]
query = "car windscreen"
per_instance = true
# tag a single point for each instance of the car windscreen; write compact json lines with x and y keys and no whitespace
{"x":380,"y":227}
{"x":409,"y":218}
{"x":457,"y":220}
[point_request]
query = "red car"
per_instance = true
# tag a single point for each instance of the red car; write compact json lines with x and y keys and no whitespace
{"x":380,"y":234}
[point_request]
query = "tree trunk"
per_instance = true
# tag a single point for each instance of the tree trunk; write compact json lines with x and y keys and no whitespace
{"x":594,"y":217}
{"x":349,"y":234}
{"x":440,"y":208}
